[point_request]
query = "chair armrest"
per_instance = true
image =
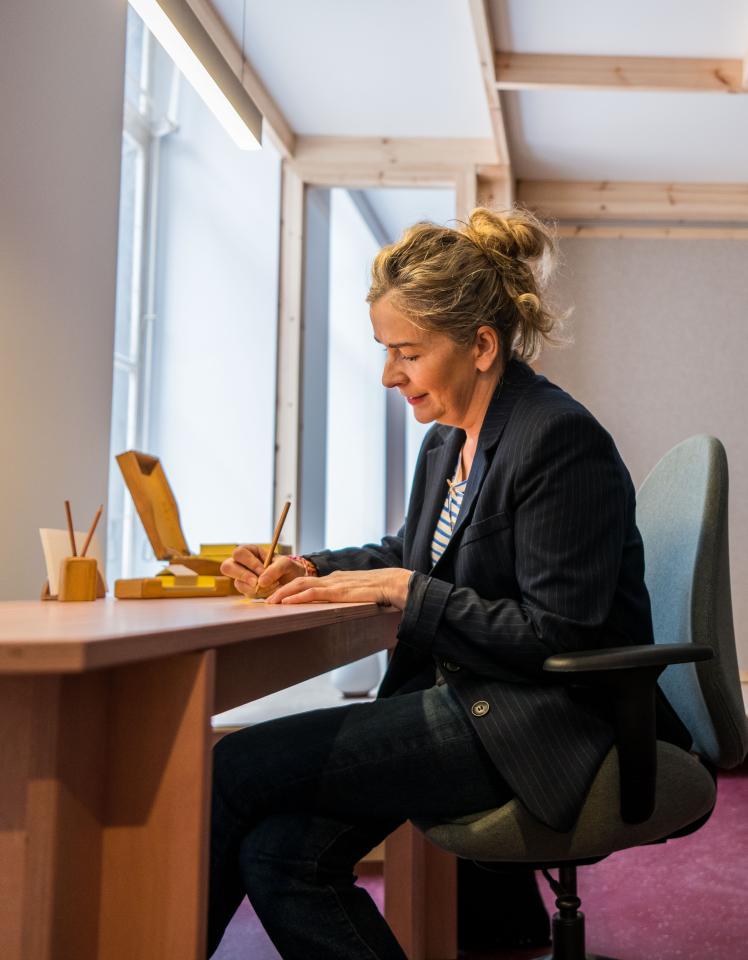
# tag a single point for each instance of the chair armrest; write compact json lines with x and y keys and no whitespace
{"x":627,"y":658}
{"x":628,"y":676}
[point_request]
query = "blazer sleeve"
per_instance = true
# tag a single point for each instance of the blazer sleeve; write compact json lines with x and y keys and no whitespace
{"x":387,"y":553}
{"x":573,"y":499}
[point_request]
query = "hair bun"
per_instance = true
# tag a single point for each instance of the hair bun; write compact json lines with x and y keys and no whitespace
{"x":517,"y":235}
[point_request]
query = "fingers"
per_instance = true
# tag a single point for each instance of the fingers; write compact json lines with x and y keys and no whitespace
{"x":251,"y":556}
{"x":313,"y":595}
{"x":239,"y":573}
{"x":252,"y":590}
{"x":246,"y":565}
{"x":245,"y":588}
{"x":281,"y":570}
{"x":328,"y":589}
{"x":292,"y":587}
{"x":304,"y":594}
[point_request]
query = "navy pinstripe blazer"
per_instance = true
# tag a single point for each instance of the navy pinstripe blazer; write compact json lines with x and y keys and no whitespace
{"x":545,"y":557}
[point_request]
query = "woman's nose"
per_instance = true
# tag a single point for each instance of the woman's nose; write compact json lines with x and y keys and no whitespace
{"x":391,"y":377}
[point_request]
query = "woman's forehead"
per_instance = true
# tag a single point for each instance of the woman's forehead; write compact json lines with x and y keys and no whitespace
{"x":392,"y":327}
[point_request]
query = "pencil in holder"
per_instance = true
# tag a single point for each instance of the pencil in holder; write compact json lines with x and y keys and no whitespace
{"x":77,"y":579}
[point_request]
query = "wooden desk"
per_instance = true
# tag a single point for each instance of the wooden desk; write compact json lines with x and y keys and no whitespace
{"x":104,"y":789}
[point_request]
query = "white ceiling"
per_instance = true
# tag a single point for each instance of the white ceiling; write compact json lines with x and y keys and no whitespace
{"x":409,"y":68}
{"x":625,"y":135}
{"x":595,"y":135}
{"x":398,"y":68}
{"x":640,"y":28}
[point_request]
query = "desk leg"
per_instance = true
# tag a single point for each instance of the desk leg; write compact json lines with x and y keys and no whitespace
{"x":53,"y":749}
{"x":154,"y":845}
{"x":103,"y":812}
{"x":420,"y":895}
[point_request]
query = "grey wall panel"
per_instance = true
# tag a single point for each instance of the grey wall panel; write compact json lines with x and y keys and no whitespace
{"x":660,"y":333}
{"x":62,"y":75}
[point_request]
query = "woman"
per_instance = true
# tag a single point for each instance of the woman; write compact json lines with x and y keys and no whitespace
{"x":520,"y":541}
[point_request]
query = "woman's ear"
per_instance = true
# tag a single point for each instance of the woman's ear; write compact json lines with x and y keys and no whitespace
{"x":487,"y":348}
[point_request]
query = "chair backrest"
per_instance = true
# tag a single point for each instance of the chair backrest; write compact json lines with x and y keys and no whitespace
{"x":682,"y":516}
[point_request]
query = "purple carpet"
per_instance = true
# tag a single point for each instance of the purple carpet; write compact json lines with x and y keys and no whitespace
{"x":684,"y":900}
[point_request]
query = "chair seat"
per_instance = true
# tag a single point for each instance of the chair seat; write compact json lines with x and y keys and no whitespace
{"x":685,"y":791}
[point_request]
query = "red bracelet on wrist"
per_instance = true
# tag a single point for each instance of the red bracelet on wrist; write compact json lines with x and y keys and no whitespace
{"x":309,"y":568}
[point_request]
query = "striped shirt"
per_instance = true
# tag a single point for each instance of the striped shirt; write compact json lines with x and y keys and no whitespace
{"x":448,"y":517}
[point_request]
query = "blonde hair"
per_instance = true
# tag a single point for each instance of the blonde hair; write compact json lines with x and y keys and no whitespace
{"x":490,"y":272}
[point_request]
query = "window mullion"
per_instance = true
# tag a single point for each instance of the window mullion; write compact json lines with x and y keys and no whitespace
{"x":148,"y":293}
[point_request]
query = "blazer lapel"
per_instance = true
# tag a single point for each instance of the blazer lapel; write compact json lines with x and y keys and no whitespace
{"x":517,"y":377}
{"x":440,"y":466}
{"x":475,"y":482}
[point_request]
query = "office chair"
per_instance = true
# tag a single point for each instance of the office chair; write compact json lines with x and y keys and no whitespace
{"x":645,"y":791}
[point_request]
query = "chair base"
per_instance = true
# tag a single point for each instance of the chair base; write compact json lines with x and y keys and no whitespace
{"x":568,"y":924}
{"x":587,"y":956}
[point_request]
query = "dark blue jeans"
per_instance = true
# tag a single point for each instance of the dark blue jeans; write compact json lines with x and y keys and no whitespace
{"x":299,"y":800}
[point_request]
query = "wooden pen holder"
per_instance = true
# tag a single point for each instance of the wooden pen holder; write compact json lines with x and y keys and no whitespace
{"x":78,"y":579}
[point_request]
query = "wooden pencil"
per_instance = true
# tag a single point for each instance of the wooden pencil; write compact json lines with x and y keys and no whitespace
{"x":91,"y":530}
{"x":71,"y":531}
{"x":276,"y":538}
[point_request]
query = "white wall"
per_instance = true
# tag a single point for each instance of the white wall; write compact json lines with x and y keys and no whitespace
{"x":61,"y":89}
{"x":213,"y":387}
{"x":659,"y":355}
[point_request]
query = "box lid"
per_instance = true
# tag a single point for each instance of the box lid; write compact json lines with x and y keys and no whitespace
{"x":155,"y":503}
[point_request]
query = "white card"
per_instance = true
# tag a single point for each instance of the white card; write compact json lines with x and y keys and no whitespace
{"x":56,"y":546}
{"x":177,"y":570}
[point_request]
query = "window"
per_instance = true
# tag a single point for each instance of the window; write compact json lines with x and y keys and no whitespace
{"x":356,"y":407}
{"x":129,"y":361}
{"x":195,"y":340}
{"x":360,"y":496}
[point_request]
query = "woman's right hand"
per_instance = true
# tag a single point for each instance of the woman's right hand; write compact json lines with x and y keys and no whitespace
{"x":246,"y":568}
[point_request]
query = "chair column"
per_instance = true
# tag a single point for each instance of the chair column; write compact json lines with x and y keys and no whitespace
{"x":568,"y":923}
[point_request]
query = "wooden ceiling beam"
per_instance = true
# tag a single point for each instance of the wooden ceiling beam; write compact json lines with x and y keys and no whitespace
{"x":362,"y":162}
{"x":405,"y":152}
{"x":495,"y":187}
{"x":628,"y":200}
{"x":363,"y":177}
{"x":538,"y":71}
{"x":486,"y":45}
{"x":274,"y":122}
{"x":633,"y":231}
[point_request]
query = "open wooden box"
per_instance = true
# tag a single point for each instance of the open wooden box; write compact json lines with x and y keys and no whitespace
{"x":159,"y":513}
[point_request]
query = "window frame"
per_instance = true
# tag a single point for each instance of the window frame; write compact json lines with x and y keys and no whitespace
{"x":137,"y":363}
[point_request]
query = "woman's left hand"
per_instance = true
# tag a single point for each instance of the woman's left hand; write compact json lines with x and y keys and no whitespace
{"x":387,"y":587}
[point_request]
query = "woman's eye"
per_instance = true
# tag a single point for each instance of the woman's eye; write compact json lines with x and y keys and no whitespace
{"x":402,"y":355}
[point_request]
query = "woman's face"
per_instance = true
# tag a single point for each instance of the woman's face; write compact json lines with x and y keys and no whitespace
{"x":435,"y":375}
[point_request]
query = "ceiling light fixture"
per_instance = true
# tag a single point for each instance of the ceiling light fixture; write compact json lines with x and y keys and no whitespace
{"x":185,"y":39}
